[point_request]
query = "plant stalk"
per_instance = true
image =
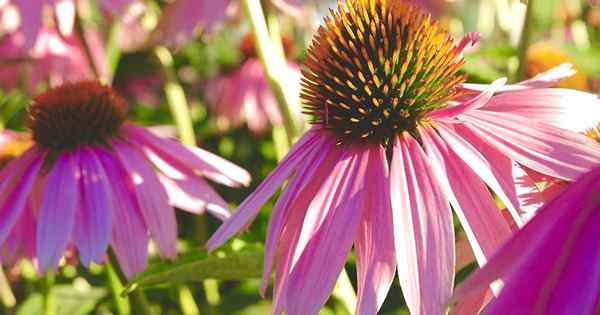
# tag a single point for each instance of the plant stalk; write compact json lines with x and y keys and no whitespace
{"x":525,"y":41}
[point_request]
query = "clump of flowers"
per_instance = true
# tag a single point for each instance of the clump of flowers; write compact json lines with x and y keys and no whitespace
{"x":397,"y":138}
{"x":93,"y":179}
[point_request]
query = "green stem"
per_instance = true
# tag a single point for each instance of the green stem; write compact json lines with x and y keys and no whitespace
{"x":113,"y":51}
{"x":176,"y":97}
{"x":344,"y":292}
{"x":272,"y":62}
{"x":6,"y":294}
{"x":139,"y":302}
{"x":49,"y":304}
{"x":116,"y":288}
{"x":80,"y":33}
{"x":525,"y":41}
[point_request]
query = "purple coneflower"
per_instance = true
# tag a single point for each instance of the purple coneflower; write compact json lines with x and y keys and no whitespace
{"x":550,"y":266}
{"x":396,"y":140}
{"x":91,"y":180}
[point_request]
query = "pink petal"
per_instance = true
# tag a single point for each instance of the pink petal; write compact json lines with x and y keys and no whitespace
{"x":319,"y":264}
{"x":374,"y":245}
{"x":424,"y":233}
{"x":30,"y":12}
{"x":129,"y":234}
{"x":474,"y":303}
{"x":566,"y":109}
{"x":469,"y":105}
{"x":117,"y":7}
{"x":93,"y":220}
{"x":252,"y":204}
{"x":296,"y":198}
{"x":194,"y":195}
{"x":57,"y":214}
{"x":193,"y":159}
{"x":484,"y":225}
{"x":151,"y":197}
{"x":541,"y":147}
{"x":16,"y":183}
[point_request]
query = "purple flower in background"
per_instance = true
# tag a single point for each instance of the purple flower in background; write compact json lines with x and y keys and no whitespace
{"x":550,"y":266}
{"x":398,"y":139}
{"x":92,"y":179}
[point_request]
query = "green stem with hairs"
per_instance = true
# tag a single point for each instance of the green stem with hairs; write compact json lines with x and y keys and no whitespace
{"x":139,"y":301}
{"x":176,"y":97}
{"x":273,"y":64}
{"x":116,"y":288}
{"x":525,"y":41}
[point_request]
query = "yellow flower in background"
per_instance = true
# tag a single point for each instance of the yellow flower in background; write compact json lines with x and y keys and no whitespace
{"x":12,"y":145}
{"x":543,"y":56}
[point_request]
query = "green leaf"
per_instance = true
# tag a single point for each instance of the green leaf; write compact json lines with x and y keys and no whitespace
{"x":69,"y":301}
{"x":237,"y":262}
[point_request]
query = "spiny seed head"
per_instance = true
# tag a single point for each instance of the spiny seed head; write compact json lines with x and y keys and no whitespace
{"x":376,"y":68}
{"x":76,"y":114}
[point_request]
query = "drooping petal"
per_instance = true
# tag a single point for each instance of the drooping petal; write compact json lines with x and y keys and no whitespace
{"x":93,"y":220}
{"x":423,"y":229}
{"x":57,"y":214}
{"x":192,"y":159}
{"x":251,"y":205}
{"x":567,"y":109}
{"x":542,"y":147}
{"x":16,"y":183}
{"x":374,"y":245}
{"x":296,"y":198}
{"x":129,"y":233}
{"x":64,"y":11}
{"x":481,"y":219}
{"x":152,"y":198}
{"x":194,"y":195}
{"x":328,"y":243}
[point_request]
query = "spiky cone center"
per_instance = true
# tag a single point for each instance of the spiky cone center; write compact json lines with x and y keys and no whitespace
{"x":376,"y":68}
{"x":76,"y":114}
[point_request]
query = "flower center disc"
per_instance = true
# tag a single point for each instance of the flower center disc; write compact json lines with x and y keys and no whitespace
{"x":75,"y":114}
{"x":376,"y":68}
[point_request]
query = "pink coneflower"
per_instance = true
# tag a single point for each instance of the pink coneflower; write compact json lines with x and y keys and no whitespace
{"x":244,"y":96}
{"x":91,"y":180}
{"x":396,"y":141}
{"x":550,"y":266}
{"x":27,"y":16}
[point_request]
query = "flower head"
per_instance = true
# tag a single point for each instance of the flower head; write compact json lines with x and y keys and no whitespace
{"x":90,"y":181}
{"x":550,"y":266}
{"x":397,"y":140}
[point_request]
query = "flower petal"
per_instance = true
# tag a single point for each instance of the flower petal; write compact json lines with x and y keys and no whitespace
{"x":16,"y":184}
{"x":188,"y":158}
{"x":544,"y":148}
{"x":30,"y":12}
{"x":93,"y":220}
{"x":374,"y":245}
{"x":129,"y":233}
{"x":424,"y":233}
{"x":64,"y":11}
{"x":57,"y":214}
{"x":158,"y":215}
{"x":252,"y":204}
{"x":473,"y":103}
{"x":319,"y":264}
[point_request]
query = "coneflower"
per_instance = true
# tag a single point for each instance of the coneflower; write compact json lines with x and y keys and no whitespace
{"x":397,"y":139}
{"x":92,"y":179}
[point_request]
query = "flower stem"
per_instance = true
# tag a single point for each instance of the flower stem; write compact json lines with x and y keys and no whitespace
{"x":176,"y":97}
{"x":116,"y":288}
{"x":186,"y":301}
{"x":49,"y":304}
{"x":139,"y":302}
{"x":273,"y":64}
{"x":525,"y":41}
{"x":87,"y":51}
{"x":344,"y":292}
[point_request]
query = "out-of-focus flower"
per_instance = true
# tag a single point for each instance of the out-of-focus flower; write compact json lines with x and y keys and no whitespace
{"x":146,"y":88}
{"x":543,"y":56}
{"x":92,"y":179}
{"x":244,"y":95}
{"x":550,"y":266}
{"x":436,"y":7}
{"x":54,"y":59}
{"x":382,"y":82}
{"x":27,"y":17}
